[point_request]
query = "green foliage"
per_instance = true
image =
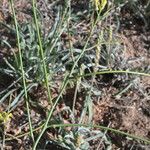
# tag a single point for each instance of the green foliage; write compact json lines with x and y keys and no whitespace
{"x":80,"y":138}
{"x":32,"y":63}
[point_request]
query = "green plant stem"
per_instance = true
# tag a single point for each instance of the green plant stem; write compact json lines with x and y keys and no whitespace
{"x":41,"y":51}
{"x":50,"y":113}
{"x":101,"y":127}
{"x":85,"y":125}
{"x":22,"y":70}
{"x":112,"y":71}
{"x":64,"y":85}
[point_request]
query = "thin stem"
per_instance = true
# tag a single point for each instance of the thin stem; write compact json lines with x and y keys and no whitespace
{"x":112,"y":71}
{"x":64,"y":85}
{"x":85,"y":125}
{"x":41,"y":51}
{"x":22,"y":70}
